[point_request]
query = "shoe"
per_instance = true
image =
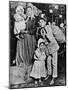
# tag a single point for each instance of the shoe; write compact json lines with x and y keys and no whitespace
{"x":36,"y":84}
{"x":14,"y":86}
{"x":46,"y":77}
{"x":52,"y":82}
{"x":29,"y":80}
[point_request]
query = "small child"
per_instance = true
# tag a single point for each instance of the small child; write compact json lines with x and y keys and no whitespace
{"x":39,"y":69}
{"x":20,"y":20}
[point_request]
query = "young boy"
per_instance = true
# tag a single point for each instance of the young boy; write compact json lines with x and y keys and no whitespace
{"x":52,"y":46}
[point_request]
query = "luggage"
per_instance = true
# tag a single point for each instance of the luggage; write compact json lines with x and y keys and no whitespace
{"x":58,"y":34}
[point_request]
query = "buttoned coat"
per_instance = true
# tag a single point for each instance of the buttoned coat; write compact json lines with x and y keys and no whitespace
{"x":52,"y":45}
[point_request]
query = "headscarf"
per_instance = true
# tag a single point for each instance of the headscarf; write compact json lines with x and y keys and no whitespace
{"x":40,"y":41}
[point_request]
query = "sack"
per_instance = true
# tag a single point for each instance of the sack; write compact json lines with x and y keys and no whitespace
{"x":58,"y":34}
{"x":53,"y":47}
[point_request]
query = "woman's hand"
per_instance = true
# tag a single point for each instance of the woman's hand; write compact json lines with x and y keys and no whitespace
{"x":17,"y":37}
{"x":24,"y":31}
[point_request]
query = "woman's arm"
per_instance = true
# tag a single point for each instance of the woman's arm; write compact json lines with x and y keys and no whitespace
{"x":23,"y":31}
{"x":27,"y":20}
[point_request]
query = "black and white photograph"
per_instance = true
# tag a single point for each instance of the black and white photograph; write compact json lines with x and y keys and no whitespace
{"x":37,"y":43}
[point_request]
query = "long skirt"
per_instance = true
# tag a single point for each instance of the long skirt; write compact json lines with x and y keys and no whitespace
{"x":25,"y":49}
{"x":25,"y":52}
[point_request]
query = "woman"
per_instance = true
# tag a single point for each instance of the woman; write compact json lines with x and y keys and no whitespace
{"x":30,"y":40}
{"x":26,"y":43}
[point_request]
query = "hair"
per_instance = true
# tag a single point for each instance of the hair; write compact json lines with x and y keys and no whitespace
{"x":28,"y":7}
{"x":42,"y":43}
{"x":45,"y":19}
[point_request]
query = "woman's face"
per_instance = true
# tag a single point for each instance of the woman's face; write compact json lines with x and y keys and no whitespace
{"x":29,"y":12}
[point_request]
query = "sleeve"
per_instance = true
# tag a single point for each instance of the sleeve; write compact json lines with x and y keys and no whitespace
{"x":37,"y":54}
{"x":35,"y":57}
{"x":34,"y":26}
{"x":17,"y":17}
{"x":15,"y":30}
{"x":48,"y":29}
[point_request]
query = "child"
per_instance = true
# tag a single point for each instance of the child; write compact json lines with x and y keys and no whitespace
{"x":52,"y":46}
{"x":20,"y":20}
{"x":39,"y":69}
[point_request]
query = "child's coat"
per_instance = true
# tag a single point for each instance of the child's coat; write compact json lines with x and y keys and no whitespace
{"x":39,"y":69}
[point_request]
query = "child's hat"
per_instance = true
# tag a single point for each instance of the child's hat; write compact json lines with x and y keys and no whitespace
{"x":43,"y":16}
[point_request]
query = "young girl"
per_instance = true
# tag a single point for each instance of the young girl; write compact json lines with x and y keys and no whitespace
{"x":20,"y":20}
{"x":39,"y":69}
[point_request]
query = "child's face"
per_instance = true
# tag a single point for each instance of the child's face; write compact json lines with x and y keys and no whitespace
{"x":42,"y":23}
{"x":42,"y":47}
{"x":21,"y":11}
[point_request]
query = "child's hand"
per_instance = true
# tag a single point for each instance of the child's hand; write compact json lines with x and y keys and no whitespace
{"x":17,"y":37}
